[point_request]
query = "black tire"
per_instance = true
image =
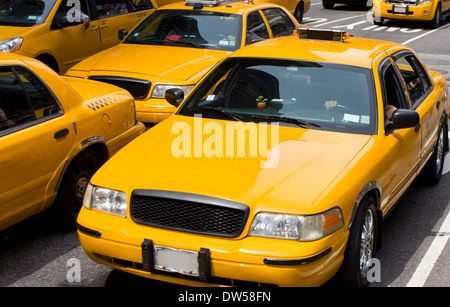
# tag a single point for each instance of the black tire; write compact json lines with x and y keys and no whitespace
{"x":432,"y":171}
{"x":299,"y":10}
{"x":436,"y":22}
{"x":73,"y":186}
{"x":378,"y":21}
{"x":327,"y":5}
{"x":361,"y":244}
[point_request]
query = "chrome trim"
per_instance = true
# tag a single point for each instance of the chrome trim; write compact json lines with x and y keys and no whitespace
{"x":93,"y":139}
{"x":373,"y":185}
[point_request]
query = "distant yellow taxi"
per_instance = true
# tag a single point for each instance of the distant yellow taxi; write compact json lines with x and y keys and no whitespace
{"x":421,"y":10}
{"x":55,"y":133}
{"x":177,"y":44}
{"x":277,"y":169}
{"x":61,"y":33}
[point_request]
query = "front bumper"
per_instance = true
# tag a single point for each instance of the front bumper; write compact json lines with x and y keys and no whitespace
{"x":420,"y":12}
{"x":153,"y":111}
{"x":259,"y":261}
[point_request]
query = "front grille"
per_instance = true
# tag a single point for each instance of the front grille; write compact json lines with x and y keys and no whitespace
{"x":188,"y":213}
{"x":137,"y":87}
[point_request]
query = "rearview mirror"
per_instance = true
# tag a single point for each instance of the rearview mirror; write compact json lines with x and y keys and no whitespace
{"x":174,"y":96}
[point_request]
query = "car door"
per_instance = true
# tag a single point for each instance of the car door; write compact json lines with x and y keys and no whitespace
{"x":114,"y":15}
{"x":422,"y":99}
{"x":403,"y":145}
{"x":34,"y":143}
{"x":75,"y":41}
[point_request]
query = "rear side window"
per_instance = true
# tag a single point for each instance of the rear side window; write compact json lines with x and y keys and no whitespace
{"x":24,"y":99}
{"x":111,"y":8}
{"x":256,"y":28}
{"x":279,"y":22}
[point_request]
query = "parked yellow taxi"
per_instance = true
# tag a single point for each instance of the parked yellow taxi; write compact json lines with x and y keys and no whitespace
{"x":431,"y":11}
{"x":277,"y":169}
{"x":61,"y":33}
{"x":177,"y":44}
{"x":55,"y":133}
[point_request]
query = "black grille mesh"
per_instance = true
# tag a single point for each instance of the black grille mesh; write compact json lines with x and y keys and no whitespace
{"x":137,"y":87}
{"x":188,"y":216}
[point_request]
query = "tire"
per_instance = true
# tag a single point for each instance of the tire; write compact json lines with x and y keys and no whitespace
{"x":299,"y":10}
{"x":435,"y":23}
{"x":327,"y":5}
{"x":73,"y":186}
{"x":361,"y":244}
{"x":378,"y":21}
{"x":433,"y":168}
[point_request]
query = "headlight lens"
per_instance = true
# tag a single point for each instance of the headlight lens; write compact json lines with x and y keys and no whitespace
{"x":424,"y":1}
{"x":11,"y":45}
{"x":160,"y":90}
{"x":106,"y":200}
{"x":296,"y":227}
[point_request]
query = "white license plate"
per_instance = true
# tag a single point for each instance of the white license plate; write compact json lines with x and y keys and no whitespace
{"x":176,"y":260}
{"x":400,"y":9}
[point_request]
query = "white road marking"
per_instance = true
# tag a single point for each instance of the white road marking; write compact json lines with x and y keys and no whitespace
{"x":338,"y":20}
{"x":426,"y":33}
{"x":431,"y":256}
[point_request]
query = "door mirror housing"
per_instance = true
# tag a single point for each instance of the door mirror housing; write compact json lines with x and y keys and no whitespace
{"x":174,"y":96}
{"x":401,"y":119}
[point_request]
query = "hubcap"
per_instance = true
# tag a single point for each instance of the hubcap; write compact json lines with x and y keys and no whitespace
{"x":367,"y":238}
{"x":81,"y":187}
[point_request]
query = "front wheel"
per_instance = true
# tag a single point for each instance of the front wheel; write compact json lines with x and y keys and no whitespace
{"x":327,"y":5}
{"x":298,"y":14}
{"x":361,"y":244}
{"x":435,"y":23}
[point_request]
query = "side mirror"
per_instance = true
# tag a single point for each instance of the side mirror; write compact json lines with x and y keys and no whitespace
{"x":402,"y":118}
{"x":122,"y":34}
{"x":174,"y":96}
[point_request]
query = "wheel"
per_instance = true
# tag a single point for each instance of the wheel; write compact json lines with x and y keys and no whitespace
{"x":434,"y":166}
{"x":327,"y":5}
{"x":434,"y":24}
{"x":361,"y":244}
{"x":73,"y":186}
{"x":378,"y":21}
{"x":298,"y":14}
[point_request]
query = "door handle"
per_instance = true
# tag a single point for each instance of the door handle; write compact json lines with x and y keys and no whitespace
{"x":61,"y":133}
{"x":438,"y":104}
{"x":93,"y":28}
{"x":104,"y":26}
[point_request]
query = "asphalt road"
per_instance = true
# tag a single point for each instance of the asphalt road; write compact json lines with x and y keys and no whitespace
{"x":415,"y":249}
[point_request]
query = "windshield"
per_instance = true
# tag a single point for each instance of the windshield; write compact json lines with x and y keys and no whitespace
{"x":24,"y":12}
{"x":189,"y":29}
{"x":295,"y":93}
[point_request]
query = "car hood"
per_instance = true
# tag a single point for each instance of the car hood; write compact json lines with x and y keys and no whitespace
{"x":7,"y":32}
{"x":162,"y":61}
{"x":308,"y":161}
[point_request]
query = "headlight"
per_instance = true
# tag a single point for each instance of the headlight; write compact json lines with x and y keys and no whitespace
{"x":297,"y":227}
{"x":424,"y":1}
{"x":11,"y":45}
{"x":106,"y":200}
{"x":160,"y":90}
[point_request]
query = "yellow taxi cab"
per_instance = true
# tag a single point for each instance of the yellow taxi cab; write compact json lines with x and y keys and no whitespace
{"x":55,"y":132}
{"x":421,"y":10}
{"x":177,"y":44}
{"x":61,"y":33}
{"x":277,"y":169}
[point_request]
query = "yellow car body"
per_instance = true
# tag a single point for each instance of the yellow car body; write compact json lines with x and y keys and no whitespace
{"x":42,"y":30}
{"x":323,"y":168}
{"x":72,"y":121}
{"x":424,"y":10}
{"x":136,"y":63}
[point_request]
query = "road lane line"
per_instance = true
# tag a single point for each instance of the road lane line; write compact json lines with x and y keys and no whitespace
{"x":338,"y":20}
{"x":422,"y":35}
{"x":431,"y":256}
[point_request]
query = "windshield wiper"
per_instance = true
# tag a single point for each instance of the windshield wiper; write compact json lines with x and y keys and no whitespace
{"x":188,"y":43}
{"x":289,"y":120}
{"x":227,"y":114}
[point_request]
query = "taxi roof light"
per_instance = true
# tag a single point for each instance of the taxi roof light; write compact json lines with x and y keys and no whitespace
{"x":321,"y":34}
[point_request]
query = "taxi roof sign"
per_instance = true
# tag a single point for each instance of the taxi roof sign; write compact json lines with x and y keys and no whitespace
{"x":321,"y":34}
{"x":207,"y":2}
